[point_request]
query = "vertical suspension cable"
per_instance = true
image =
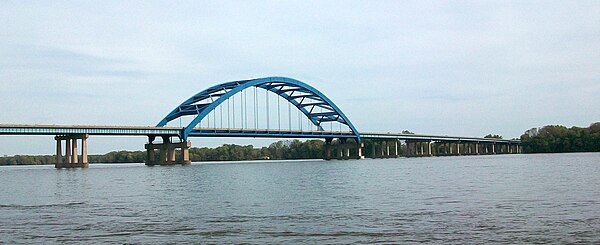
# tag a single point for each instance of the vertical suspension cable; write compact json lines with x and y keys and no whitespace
{"x":255,"y":110}
{"x":233,"y":98}
{"x":290,"y":116}
{"x":245,"y":111}
{"x":228,"y":114}
{"x":241,"y":111}
{"x":278,"y":114}
{"x":299,"y":120}
{"x":221,"y":106}
{"x":267,"y":103}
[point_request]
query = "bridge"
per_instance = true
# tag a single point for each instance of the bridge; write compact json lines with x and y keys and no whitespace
{"x":260,"y":108}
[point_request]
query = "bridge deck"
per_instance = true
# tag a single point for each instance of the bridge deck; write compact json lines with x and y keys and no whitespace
{"x":426,"y":137}
{"x":23,"y":129}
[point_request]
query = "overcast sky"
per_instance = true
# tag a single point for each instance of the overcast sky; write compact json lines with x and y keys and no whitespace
{"x":439,"y":67}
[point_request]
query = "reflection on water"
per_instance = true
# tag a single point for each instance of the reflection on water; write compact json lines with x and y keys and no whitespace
{"x":486,"y":199}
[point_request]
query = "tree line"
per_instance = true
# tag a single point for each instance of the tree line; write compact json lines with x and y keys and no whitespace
{"x":280,"y":150}
{"x":557,"y":139}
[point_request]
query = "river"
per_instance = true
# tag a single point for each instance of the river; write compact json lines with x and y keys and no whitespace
{"x":545,"y":198}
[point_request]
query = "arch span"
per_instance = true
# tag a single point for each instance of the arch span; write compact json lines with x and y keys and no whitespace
{"x":294,"y":91}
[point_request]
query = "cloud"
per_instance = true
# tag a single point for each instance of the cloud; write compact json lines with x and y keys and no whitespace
{"x":462,"y":68}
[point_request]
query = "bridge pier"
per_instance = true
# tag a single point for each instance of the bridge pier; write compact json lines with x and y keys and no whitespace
{"x":388,"y":149}
{"x":342,"y":150}
{"x":328,"y":149}
{"x":167,"y":152}
{"x":359,"y":152}
{"x":384,"y":149}
{"x":408,"y":152}
{"x":71,"y":151}
{"x":445,"y":147}
{"x":429,"y":149}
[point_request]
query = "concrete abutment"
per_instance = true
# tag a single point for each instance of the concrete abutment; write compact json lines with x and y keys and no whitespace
{"x":167,"y":152}
{"x":72,"y":158}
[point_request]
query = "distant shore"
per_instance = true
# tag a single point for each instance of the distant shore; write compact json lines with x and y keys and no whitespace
{"x":547,"y":139}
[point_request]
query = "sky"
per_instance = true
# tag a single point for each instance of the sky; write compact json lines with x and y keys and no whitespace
{"x":467,"y":68}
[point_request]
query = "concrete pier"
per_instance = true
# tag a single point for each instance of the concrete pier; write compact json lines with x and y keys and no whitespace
{"x":359,"y":151}
{"x":168,"y":153}
{"x":327,"y":153}
{"x":420,"y":148}
{"x":71,"y":159}
{"x":342,"y":149}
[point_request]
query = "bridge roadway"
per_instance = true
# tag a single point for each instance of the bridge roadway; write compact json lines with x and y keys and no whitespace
{"x":34,"y":129}
{"x":383,"y":145}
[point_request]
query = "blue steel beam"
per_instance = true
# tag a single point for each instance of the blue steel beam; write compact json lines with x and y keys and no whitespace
{"x":237,"y":133}
{"x":278,"y":85}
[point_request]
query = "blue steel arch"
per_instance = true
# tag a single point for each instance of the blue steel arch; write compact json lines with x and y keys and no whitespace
{"x":299,"y":91}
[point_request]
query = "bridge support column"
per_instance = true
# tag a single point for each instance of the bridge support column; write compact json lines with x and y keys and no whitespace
{"x":340,"y":152}
{"x":458,"y":148}
{"x":167,"y":154}
{"x":445,"y":148}
{"x":59,"y":161}
{"x":346,"y":151}
{"x":409,"y":148}
{"x":328,"y":149}
{"x":396,"y":149}
{"x":71,"y":151}
{"x":359,"y":152}
{"x":84,"y":155}
{"x":387,"y":149}
{"x":74,"y":152}
{"x":171,"y":154}
{"x":429,"y":150}
{"x":185,"y":152}
{"x":373,"y":154}
{"x":68,"y":152}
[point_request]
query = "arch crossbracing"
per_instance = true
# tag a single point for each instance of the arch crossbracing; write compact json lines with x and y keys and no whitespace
{"x":311,"y":102}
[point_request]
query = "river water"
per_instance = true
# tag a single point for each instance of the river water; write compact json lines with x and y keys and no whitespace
{"x":552,"y":198}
